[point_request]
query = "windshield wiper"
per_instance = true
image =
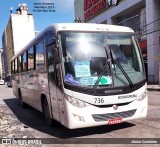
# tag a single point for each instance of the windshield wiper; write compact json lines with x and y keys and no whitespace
{"x":123,"y":71}
{"x":108,"y":62}
{"x":116,"y":76}
{"x":109,"y":59}
{"x":109,"y":54}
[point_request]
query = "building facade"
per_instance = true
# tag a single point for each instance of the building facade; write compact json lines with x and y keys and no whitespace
{"x":5,"y":54}
{"x":143,"y":16}
{"x":18,"y":33}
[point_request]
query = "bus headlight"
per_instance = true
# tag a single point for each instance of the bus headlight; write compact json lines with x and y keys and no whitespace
{"x":141,"y":97}
{"x":75,"y":102}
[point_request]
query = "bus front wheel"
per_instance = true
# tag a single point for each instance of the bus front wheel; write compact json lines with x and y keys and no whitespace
{"x":46,"y":113}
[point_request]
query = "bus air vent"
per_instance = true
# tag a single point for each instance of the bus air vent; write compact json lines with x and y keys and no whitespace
{"x":105,"y":117}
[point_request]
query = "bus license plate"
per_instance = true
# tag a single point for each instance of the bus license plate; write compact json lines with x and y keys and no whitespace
{"x":115,"y":121}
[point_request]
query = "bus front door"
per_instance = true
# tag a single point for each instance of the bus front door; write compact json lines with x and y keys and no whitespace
{"x":52,"y":84}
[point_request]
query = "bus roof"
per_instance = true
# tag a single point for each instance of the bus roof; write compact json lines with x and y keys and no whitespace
{"x":88,"y":27}
{"x":78,"y":27}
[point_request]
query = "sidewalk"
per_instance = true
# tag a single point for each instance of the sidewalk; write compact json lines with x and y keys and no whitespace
{"x":10,"y":126}
{"x":153,"y":87}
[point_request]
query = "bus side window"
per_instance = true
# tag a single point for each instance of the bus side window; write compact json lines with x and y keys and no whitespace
{"x":40,"y":55}
{"x":19,"y":64}
{"x":24,"y":62}
{"x":31,"y":59}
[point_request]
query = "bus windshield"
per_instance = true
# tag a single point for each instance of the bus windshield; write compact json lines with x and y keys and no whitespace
{"x":112,"y":59}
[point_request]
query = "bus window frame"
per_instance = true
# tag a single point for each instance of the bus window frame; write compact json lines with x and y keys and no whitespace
{"x":22,"y":55}
{"x":44,"y":53}
{"x":55,"y":51}
{"x":19,"y":63}
{"x":33,"y":68}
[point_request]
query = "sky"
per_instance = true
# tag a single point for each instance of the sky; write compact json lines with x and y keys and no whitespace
{"x":64,"y":13}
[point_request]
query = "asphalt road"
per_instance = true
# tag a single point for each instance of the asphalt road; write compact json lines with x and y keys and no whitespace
{"x":33,"y":122}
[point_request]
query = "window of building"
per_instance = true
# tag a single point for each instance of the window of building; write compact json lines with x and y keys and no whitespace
{"x":135,"y":20}
{"x":30,"y":59}
{"x":24,"y":62}
{"x":40,"y":55}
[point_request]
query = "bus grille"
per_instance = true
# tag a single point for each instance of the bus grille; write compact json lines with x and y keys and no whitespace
{"x":106,"y":117}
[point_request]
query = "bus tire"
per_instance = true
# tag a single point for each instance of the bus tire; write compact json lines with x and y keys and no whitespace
{"x":46,"y":113}
{"x":23,"y":104}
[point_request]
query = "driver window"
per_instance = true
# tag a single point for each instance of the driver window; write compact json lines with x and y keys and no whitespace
{"x":50,"y":45}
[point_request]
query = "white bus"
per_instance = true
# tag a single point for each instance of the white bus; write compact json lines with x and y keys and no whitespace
{"x":82,"y":75}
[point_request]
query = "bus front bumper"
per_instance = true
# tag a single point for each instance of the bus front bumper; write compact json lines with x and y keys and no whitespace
{"x":94,"y":116}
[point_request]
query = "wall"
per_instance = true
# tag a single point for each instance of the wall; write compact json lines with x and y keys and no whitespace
{"x":153,"y":35}
{"x":23,"y":30}
{"x":9,"y":45}
{"x":79,"y":9}
{"x":5,"y":53}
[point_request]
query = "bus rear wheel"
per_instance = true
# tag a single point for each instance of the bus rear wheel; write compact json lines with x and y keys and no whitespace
{"x":46,"y":113}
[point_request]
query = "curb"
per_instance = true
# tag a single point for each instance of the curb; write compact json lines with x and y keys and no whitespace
{"x":153,"y":89}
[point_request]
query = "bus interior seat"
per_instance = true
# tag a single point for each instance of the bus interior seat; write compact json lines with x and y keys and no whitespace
{"x":118,"y":54}
{"x":96,"y":64}
{"x":69,"y":68}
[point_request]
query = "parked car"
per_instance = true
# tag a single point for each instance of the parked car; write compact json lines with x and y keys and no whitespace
{"x":1,"y":82}
{"x":9,"y":81}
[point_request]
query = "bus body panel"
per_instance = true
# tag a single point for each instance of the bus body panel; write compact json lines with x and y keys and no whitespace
{"x":61,"y":102}
{"x":109,"y":100}
{"x":87,"y":112}
{"x":54,"y":101}
{"x":31,"y":85}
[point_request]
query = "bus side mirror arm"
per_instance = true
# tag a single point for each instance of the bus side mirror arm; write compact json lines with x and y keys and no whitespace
{"x":57,"y":55}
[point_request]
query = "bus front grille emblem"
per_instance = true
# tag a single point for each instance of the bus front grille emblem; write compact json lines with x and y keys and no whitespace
{"x":115,"y":107}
